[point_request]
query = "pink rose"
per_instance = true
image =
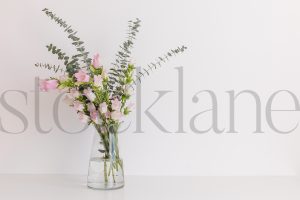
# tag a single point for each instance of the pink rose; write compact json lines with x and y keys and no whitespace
{"x":103,"y":107}
{"x":46,"y":85}
{"x":82,"y":76}
{"x":89,"y":94}
{"x":96,"y":62}
{"x":78,"y":105}
{"x":98,"y":80}
{"x":116,"y":115}
{"x":116,"y":104}
{"x":83,"y":118}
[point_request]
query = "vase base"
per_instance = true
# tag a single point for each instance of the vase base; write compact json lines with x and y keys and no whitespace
{"x":102,"y":186}
{"x":105,"y":174}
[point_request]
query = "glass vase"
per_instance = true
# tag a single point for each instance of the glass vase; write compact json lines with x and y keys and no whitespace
{"x":105,"y":165}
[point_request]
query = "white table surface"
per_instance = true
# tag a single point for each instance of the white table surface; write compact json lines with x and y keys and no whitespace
{"x":73,"y":187}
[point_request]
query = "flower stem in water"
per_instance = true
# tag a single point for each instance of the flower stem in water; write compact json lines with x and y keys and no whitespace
{"x":105,"y":172}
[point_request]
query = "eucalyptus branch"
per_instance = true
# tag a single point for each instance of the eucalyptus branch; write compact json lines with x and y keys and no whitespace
{"x":60,"y":55}
{"x":55,"y":68}
{"x":72,"y":34}
{"x":71,"y":63}
{"x":158,"y":63}
{"x":122,"y":62}
{"x":124,"y":54}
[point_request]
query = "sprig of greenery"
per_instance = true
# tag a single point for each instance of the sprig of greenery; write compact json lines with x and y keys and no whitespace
{"x":55,"y":68}
{"x":117,"y":74}
{"x":158,"y":63}
{"x":72,"y":34}
{"x":71,"y":63}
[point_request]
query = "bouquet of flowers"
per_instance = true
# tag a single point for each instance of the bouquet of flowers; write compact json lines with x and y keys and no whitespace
{"x":99,"y":95}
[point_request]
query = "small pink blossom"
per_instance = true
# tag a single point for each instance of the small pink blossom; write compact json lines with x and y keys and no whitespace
{"x":89,"y":94}
{"x":74,"y":93}
{"x":116,"y":115}
{"x":103,"y":107}
{"x":68,"y":100}
{"x":83,"y":118}
{"x":46,"y":85}
{"x":96,"y":62}
{"x":82,"y":76}
{"x":107,"y":114}
{"x":78,"y":105}
{"x":95,"y":117}
{"x":91,"y":107}
{"x":98,"y":80}
{"x":116,"y":104}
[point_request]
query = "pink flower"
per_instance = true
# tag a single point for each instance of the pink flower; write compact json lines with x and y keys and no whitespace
{"x":83,"y":118}
{"x":82,"y":76}
{"x":103,"y":107}
{"x":91,"y":107}
{"x":95,"y":117}
{"x":98,"y":80}
{"x":116,"y":104}
{"x":96,"y":62}
{"x":78,"y":105}
{"x":107,"y":114}
{"x":74,"y":93}
{"x":116,"y":115}
{"x":89,"y":94}
{"x":46,"y":85}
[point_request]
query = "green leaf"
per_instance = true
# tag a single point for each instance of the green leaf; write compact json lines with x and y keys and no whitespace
{"x":71,"y":35}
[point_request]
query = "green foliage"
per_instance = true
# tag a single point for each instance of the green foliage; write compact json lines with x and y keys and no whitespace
{"x":119,"y":73}
{"x":72,"y":34}
{"x":101,"y":95}
{"x":116,"y":85}
{"x":126,"y":111}
{"x":96,"y":71}
{"x":123,"y":78}
{"x":55,"y":68}
{"x":158,"y":63}
{"x":69,"y":83}
{"x":71,"y":63}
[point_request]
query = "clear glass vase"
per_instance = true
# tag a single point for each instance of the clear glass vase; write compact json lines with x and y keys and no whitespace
{"x":105,"y":167}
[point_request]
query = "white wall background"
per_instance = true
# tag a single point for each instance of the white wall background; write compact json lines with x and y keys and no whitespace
{"x":233,"y":45}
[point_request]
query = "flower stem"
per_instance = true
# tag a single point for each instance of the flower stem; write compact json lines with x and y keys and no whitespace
{"x":113,"y":174}
{"x":105,"y":172}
